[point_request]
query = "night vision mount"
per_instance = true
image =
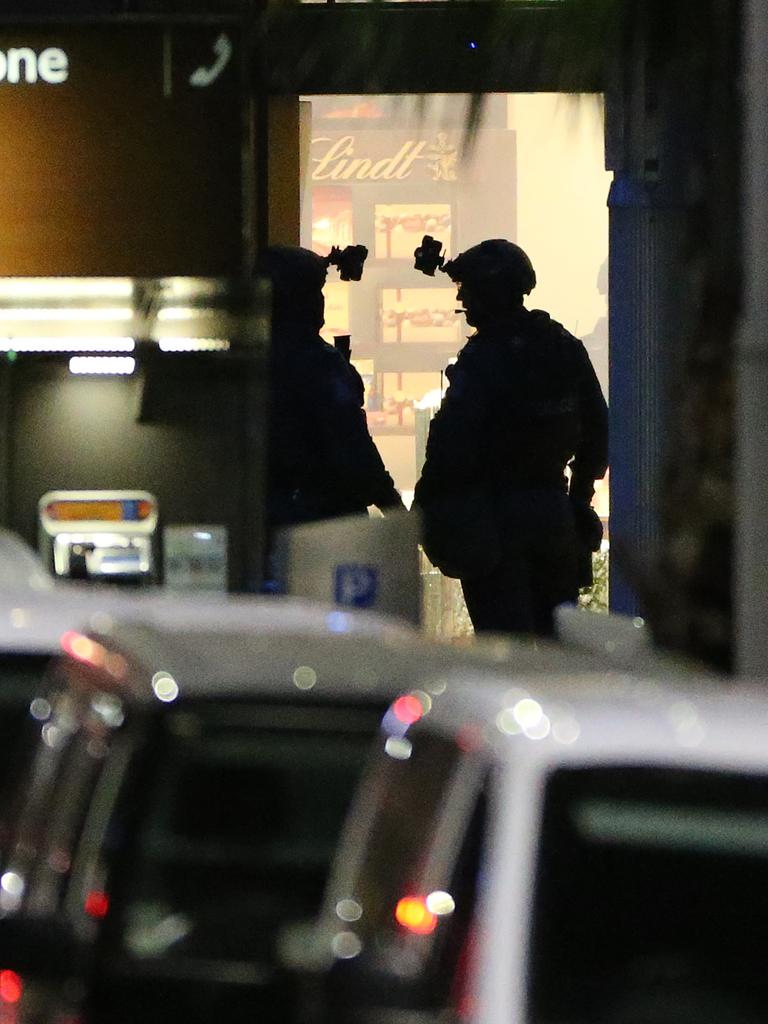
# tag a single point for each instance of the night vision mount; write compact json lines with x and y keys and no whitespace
{"x":349,"y":261}
{"x":427,"y":257}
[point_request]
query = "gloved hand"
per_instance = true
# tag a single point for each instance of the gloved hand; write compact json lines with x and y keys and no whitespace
{"x":589,"y":527}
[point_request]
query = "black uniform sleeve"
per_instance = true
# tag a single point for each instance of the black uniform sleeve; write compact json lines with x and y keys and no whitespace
{"x":591,"y":458}
{"x":353,"y":462}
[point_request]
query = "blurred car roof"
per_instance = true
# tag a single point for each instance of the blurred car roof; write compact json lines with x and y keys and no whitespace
{"x":237,"y":644}
{"x":607,"y":715}
{"x":236,"y":638}
{"x":20,"y":564}
{"x":32,"y":621}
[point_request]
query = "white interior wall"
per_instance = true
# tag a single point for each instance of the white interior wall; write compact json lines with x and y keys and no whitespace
{"x":562,"y":191}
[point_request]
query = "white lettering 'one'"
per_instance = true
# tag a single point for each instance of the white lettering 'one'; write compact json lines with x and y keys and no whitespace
{"x":22,"y":63}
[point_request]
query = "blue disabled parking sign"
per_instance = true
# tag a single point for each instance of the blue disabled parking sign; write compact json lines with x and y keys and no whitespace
{"x":355,"y":585}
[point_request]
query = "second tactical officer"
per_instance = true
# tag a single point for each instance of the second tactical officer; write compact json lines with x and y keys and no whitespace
{"x":523,"y":403}
{"x":321,"y":459}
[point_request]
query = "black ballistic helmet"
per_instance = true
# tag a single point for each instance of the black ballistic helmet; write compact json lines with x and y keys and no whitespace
{"x":292,"y":270}
{"x":297,"y":277}
{"x":495,"y":263}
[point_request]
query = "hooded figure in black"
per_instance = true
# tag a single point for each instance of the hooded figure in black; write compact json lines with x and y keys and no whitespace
{"x":523,"y":403}
{"x":321,"y":460}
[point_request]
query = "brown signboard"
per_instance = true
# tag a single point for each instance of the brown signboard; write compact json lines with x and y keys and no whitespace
{"x":120,"y":151}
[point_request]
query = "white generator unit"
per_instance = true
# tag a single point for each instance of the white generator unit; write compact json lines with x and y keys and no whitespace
{"x":355,"y":562}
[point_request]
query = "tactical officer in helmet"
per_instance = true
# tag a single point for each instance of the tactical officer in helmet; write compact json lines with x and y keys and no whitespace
{"x":523,"y":403}
{"x":321,"y":460}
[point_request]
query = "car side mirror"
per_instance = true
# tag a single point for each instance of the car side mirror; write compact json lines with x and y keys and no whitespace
{"x":44,"y":946}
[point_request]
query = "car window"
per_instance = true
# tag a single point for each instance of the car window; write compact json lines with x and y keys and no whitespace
{"x":21,"y":678}
{"x":227,"y":829}
{"x":72,"y":737}
{"x":408,"y":873}
{"x":650,"y":900}
{"x":399,"y":808}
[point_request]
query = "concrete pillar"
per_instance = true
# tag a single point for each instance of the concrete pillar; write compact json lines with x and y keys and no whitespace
{"x":645,"y":229}
{"x":649,"y":128}
{"x":751,"y":471}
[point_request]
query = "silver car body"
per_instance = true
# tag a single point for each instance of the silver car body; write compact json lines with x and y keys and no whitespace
{"x":524,"y":728}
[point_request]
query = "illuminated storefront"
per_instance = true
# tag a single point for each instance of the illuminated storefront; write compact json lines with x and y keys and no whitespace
{"x":382,"y":171}
{"x":207,"y":172}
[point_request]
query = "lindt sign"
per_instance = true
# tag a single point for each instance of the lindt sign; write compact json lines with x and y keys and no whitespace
{"x":384,"y":156}
{"x":23,"y":64}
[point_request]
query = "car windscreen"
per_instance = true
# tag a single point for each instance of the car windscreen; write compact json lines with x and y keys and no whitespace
{"x":408,"y":874}
{"x":650,"y":898}
{"x":21,"y":681}
{"x":397,"y":814}
{"x":233,"y":821}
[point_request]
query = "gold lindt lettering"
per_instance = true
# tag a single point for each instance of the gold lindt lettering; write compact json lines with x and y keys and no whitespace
{"x":359,"y":168}
{"x":405,"y":168}
{"x":338,"y":163}
{"x":387,"y":167}
{"x":341,"y":148}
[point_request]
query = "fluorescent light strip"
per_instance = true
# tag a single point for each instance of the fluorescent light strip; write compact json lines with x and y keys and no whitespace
{"x":65,"y":313}
{"x":41,"y":344}
{"x":193,"y":344}
{"x":65,"y":288}
{"x":189,"y":287}
{"x":123,"y":365}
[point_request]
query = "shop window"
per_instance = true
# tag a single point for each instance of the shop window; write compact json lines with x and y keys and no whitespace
{"x":336,"y":309}
{"x":332,"y":221}
{"x":383,"y":171}
{"x":400,"y":227}
{"x":420,"y":315}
